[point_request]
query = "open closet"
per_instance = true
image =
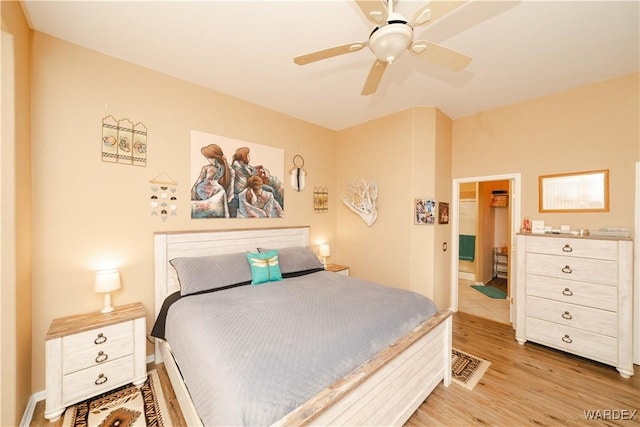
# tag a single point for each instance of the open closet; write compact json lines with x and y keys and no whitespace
{"x":483,"y":246}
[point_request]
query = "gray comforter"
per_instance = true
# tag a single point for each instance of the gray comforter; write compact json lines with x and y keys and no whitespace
{"x":251,"y":354}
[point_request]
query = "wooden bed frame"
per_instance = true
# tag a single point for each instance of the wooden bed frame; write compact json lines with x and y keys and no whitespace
{"x":386,"y":390}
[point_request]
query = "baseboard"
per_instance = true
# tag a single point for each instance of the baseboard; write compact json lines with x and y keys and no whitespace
{"x":466,"y":276}
{"x":31,"y":406}
{"x":36,"y":397}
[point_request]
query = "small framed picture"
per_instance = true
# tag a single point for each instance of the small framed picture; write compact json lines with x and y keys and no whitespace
{"x":425,"y":211}
{"x":443,"y":213}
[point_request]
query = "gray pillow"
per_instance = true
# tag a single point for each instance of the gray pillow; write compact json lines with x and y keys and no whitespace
{"x":198,"y":274}
{"x":296,"y":259}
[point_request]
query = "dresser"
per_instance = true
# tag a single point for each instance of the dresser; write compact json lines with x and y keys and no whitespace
{"x":93,"y":353}
{"x":575,"y":294}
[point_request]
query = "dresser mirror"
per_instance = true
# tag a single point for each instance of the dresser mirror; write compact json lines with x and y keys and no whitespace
{"x":574,"y":192}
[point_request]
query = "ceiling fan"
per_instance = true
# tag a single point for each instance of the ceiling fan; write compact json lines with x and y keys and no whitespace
{"x":393,"y":35}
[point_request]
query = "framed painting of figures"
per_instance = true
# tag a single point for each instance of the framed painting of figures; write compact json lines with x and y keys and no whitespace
{"x":231,"y":178}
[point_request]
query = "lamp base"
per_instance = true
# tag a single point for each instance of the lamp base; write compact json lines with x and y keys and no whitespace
{"x":108,"y":308}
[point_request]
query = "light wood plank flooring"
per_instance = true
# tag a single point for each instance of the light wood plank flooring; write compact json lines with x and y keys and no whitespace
{"x":525,"y":385}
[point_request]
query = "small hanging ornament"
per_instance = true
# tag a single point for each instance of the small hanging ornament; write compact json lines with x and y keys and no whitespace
{"x":163,"y":190}
{"x":298,"y":175}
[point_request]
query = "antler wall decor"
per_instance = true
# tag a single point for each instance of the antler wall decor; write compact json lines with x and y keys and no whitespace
{"x":361,"y":198}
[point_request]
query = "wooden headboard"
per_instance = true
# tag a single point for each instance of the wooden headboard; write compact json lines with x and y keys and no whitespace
{"x":201,"y":243}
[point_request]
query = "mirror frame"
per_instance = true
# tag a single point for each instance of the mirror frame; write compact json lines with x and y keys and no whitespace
{"x":569,"y":180}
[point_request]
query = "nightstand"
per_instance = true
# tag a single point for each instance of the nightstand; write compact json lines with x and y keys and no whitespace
{"x":340,"y":269}
{"x":92,"y":353}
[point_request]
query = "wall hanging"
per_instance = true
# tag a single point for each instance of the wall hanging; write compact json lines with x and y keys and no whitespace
{"x":124,"y":142}
{"x":320,"y":200}
{"x":235,"y":179}
{"x":163,"y":196}
{"x":443,"y":213}
{"x":425,"y":211}
{"x":361,"y":198}
{"x":298,"y":175}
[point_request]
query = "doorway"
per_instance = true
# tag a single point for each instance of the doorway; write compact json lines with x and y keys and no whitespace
{"x":514,"y":181}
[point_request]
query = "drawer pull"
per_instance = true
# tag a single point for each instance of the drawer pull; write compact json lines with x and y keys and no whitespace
{"x":567,"y":315}
{"x":100,"y":339}
{"x":567,"y":248}
{"x":567,"y":339}
{"x":102,"y":357}
{"x":567,"y":292}
{"x":566,"y":269}
{"x":101,"y":379}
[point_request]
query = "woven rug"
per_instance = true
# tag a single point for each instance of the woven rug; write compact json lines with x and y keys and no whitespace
{"x":126,"y":406}
{"x":466,"y":370}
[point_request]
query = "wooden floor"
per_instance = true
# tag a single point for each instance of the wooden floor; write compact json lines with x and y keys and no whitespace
{"x":525,"y":385}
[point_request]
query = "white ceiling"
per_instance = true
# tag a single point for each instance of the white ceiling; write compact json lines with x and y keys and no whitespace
{"x":520,"y":50}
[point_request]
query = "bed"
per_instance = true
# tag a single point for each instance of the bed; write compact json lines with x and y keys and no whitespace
{"x":377,"y":382}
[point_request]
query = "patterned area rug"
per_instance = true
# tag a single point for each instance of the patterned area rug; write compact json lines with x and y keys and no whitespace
{"x":466,"y":369}
{"x":126,"y":406}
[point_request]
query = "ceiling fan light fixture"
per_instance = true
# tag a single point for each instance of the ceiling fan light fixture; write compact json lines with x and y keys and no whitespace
{"x":389,"y":42}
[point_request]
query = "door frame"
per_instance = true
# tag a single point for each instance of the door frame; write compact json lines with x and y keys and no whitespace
{"x":636,"y":274}
{"x":515,"y":186}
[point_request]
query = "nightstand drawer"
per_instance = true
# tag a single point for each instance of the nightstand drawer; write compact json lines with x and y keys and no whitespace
{"x":96,"y":355}
{"x":96,"y":339}
{"x":93,"y":381}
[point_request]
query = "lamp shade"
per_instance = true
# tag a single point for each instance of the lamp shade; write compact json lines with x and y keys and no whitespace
{"x":107,"y":281}
{"x":325,"y":250}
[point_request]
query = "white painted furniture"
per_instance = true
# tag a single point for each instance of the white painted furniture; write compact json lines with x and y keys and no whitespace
{"x":337,"y":268}
{"x":386,"y":390}
{"x":89,"y":354}
{"x":575,"y":294}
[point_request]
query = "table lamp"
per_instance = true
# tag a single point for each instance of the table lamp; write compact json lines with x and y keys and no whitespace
{"x":106,"y":282}
{"x":324,"y":252}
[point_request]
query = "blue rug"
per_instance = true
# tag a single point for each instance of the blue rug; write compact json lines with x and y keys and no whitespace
{"x":490,"y":291}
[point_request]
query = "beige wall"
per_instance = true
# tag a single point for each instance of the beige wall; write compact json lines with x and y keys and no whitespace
{"x":15,"y":335}
{"x":408,"y":155}
{"x":87,"y":212}
{"x":380,"y":151}
{"x":591,"y":127}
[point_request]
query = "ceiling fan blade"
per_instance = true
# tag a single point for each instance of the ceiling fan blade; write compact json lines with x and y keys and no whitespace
{"x":374,"y":77}
{"x":374,"y":10}
{"x":434,"y":10}
{"x":440,"y":55}
{"x":329,"y":53}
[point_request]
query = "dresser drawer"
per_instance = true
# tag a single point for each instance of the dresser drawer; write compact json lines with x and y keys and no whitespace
{"x":588,"y":344}
{"x":582,"y":269}
{"x":585,"y":318}
{"x":597,"y":249}
{"x":97,"y":354}
{"x":573,"y":292}
{"x":93,"y":381}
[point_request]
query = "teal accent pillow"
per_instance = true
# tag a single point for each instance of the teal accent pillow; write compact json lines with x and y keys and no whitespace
{"x":265,"y":267}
